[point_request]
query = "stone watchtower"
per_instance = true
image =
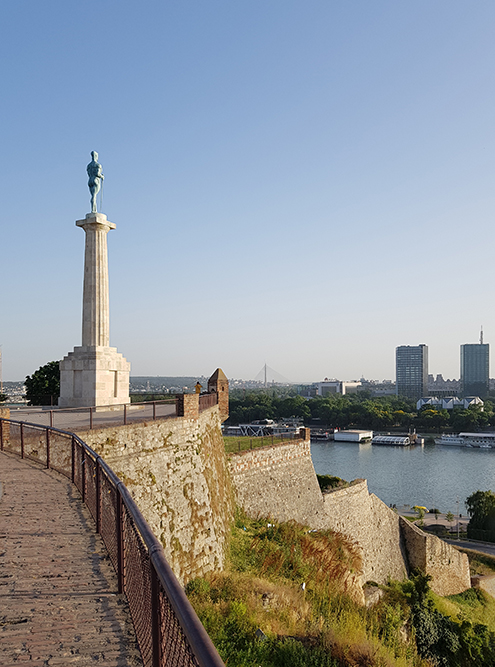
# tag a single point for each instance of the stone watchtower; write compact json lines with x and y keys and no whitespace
{"x":219,"y":384}
{"x":94,"y":373}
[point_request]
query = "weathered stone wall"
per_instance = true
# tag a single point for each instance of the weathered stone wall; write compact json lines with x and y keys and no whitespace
{"x":448,"y":567}
{"x":278,"y":481}
{"x":176,"y":471}
{"x":364,"y":518}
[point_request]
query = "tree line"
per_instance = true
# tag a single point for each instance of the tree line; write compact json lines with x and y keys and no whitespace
{"x":354,"y":411}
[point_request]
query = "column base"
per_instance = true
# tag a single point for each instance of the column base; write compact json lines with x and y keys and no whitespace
{"x":94,"y":376}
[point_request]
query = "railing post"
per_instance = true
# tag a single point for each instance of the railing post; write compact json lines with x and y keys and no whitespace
{"x":1,"y":435}
{"x":120,"y":543}
{"x":154,"y":410}
{"x":22,"y":441}
{"x":90,"y":419}
{"x":125,"y":414}
{"x":73,"y":462}
{"x":83,"y":474}
{"x":98,"y":497}
{"x":51,"y":418}
{"x":155,"y":618}
{"x":48,"y":448}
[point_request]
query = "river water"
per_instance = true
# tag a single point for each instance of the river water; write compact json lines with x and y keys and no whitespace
{"x":432,"y":475}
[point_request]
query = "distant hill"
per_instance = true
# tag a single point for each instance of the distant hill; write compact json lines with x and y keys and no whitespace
{"x":156,"y":383}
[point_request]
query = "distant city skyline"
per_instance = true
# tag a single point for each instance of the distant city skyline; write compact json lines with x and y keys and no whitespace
{"x":306,"y":185}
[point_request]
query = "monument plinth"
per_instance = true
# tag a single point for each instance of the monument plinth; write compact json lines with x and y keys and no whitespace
{"x":94,"y":374}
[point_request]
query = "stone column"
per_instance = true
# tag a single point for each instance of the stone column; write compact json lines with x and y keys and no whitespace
{"x":96,"y":314}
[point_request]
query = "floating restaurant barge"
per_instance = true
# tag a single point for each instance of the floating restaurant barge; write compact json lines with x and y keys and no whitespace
{"x":477,"y":440}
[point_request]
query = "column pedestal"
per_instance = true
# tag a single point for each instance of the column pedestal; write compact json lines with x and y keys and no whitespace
{"x":91,"y":376}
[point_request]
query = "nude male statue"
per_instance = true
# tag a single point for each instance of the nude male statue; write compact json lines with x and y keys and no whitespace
{"x":95,"y":177}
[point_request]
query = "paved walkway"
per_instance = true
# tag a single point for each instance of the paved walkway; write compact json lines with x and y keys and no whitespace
{"x":79,"y":420}
{"x":58,"y":591}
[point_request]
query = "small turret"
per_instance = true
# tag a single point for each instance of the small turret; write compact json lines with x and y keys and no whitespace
{"x":219,"y":384}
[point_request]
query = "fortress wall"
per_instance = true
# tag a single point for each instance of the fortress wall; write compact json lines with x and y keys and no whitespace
{"x":448,"y":567}
{"x":366,"y":520}
{"x":176,"y":471}
{"x":178,"y":474}
{"x":278,"y":481}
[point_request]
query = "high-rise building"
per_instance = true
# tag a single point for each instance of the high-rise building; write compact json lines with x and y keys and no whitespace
{"x":475,"y":370}
{"x":411,"y":365}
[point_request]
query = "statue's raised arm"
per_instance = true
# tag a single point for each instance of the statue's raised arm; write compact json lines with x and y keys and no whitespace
{"x":95,"y":175}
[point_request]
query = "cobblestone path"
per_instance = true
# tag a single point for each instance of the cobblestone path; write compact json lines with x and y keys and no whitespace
{"x":58,"y":590}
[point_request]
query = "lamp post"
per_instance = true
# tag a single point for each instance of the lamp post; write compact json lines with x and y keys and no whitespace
{"x":458,"y":518}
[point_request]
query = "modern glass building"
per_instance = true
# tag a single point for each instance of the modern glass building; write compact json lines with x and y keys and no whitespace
{"x":411,"y":366}
{"x":475,"y":359}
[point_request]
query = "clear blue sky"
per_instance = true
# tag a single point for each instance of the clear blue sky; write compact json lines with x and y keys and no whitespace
{"x":308,"y":184}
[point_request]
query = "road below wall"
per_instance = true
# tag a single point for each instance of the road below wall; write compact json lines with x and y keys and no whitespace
{"x":483,"y":547}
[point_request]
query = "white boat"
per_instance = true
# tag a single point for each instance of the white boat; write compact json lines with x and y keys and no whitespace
{"x":479,"y":440}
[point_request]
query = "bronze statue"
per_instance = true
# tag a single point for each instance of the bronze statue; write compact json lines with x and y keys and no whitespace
{"x":95,"y":174}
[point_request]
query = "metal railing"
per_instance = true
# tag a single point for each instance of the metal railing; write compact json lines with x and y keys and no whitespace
{"x":235,"y":443}
{"x":110,"y":415}
{"x":105,"y":415}
{"x":167,"y":628}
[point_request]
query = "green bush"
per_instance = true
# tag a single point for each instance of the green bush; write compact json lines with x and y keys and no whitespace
{"x":330,"y":482}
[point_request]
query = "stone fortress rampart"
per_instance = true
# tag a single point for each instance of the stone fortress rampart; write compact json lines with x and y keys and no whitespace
{"x":280,"y":482}
{"x":177,"y":473}
{"x":186,"y":487}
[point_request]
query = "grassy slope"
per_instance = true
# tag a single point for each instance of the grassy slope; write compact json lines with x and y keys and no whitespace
{"x":294,"y":584}
{"x":474,"y":605}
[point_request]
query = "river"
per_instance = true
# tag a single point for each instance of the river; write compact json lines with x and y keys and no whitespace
{"x":430,"y":475}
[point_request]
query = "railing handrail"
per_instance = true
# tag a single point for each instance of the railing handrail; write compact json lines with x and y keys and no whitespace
{"x":101,"y":408}
{"x":200,"y":642}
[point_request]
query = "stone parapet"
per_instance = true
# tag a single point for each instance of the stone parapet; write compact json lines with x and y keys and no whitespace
{"x":268,"y":456}
{"x":188,"y":405}
{"x":5,"y":414}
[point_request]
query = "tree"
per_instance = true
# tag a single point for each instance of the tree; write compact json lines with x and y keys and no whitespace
{"x":43,"y":386}
{"x":481,"y":509}
{"x":3,"y":398}
{"x":431,"y":418}
{"x":420,"y":511}
{"x":449,"y":516}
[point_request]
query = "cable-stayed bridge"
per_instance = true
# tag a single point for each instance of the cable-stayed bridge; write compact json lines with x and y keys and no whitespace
{"x":268,"y":376}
